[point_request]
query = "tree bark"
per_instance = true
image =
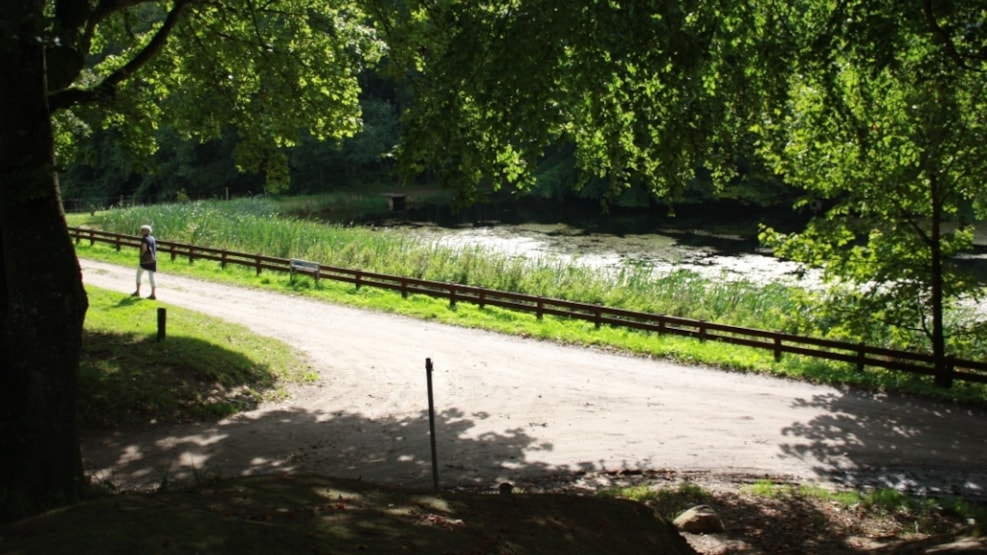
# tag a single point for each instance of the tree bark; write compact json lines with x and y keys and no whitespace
{"x":42,"y":300}
{"x":944,"y":372}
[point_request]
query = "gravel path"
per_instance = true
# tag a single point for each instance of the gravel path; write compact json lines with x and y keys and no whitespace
{"x":515,"y":409}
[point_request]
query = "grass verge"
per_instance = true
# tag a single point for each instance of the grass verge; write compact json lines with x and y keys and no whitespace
{"x":680,"y":349}
{"x":204,"y":367}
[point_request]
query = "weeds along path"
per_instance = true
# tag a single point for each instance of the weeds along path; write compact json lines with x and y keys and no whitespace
{"x":509,"y":408}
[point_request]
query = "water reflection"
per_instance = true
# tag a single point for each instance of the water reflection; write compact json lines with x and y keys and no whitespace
{"x":713,"y":256}
{"x":715,"y":241}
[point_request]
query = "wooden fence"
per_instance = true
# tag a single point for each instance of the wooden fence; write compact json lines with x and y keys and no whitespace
{"x":778,"y":343}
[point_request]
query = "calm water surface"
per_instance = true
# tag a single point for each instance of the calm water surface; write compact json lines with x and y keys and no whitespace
{"x":715,"y":242}
{"x":715,"y":256}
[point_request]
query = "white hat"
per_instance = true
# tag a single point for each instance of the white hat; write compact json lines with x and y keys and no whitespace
{"x":147,"y":227}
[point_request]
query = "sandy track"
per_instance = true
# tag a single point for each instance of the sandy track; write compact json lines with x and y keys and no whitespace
{"x":511,"y":408}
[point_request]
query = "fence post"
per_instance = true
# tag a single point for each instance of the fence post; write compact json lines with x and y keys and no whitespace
{"x":945,"y":368}
{"x":431,"y":424}
{"x":162,"y":323}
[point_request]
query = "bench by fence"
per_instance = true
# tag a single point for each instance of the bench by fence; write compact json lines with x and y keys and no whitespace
{"x":857,"y":354}
{"x":313,"y":269}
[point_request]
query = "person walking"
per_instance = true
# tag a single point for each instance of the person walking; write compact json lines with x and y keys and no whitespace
{"x":148,"y":261}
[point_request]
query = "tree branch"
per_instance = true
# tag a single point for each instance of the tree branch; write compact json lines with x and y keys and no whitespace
{"x":942,"y":36}
{"x":72,"y":96}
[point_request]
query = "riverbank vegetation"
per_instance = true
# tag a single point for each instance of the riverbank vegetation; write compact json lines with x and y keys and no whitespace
{"x":262,"y":226}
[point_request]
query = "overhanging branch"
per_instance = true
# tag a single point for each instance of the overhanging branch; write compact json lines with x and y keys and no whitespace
{"x":107,"y":87}
{"x":942,"y":36}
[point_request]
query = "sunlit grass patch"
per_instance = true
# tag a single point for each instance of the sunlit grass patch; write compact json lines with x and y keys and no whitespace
{"x":669,"y":502}
{"x":885,"y":508}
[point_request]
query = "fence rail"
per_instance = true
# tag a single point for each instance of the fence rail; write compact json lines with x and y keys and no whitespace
{"x":778,"y":343}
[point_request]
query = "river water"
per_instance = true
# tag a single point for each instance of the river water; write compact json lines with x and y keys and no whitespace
{"x":718,"y":249}
{"x":716,"y":257}
{"x":715,"y":242}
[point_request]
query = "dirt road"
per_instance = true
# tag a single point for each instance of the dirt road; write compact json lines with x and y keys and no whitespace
{"x":516,"y":409}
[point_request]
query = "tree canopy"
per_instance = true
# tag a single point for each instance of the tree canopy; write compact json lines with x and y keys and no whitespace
{"x":643,"y":91}
{"x":885,"y":124}
{"x":276,"y":72}
{"x":874,"y":107}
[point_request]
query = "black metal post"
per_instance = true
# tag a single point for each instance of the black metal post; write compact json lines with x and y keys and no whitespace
{"x":162,"y":323}
{"x":431,"y":424}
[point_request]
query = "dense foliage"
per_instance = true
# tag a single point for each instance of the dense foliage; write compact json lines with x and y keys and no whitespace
{"x":874,"y":107}
{"x":549,"y":100}
{"x":885,"y":125}
{"x":247,"y":81}
{"x":873,"y":110}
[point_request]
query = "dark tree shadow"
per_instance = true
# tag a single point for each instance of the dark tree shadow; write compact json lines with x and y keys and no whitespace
{"x":126,"y":378}
{"x":394,"y":450}
{"x":876,"y":440}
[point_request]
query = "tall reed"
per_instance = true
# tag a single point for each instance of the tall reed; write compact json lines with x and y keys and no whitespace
{"x":257,"y":226}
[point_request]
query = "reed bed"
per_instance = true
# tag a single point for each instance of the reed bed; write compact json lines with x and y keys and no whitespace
{"x":258,"y":226}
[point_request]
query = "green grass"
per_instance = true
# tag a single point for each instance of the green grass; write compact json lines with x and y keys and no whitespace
{"x":669,"y":502}
{"x":204,"y":367}
{"x":257,"y":225}
{"x":800,"y":515}
{"x":923,"y":514}
{"x":264,"y":226}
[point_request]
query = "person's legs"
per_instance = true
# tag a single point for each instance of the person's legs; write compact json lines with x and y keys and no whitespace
{"x":137,"y":292}
{"x":154,"y":287}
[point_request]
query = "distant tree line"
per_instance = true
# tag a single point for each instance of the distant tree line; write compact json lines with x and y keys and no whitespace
{"x":106,"y":173}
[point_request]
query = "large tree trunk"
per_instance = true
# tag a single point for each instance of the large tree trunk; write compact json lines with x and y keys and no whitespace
{"x":42,"y":301}
{"x":944,"y":371}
